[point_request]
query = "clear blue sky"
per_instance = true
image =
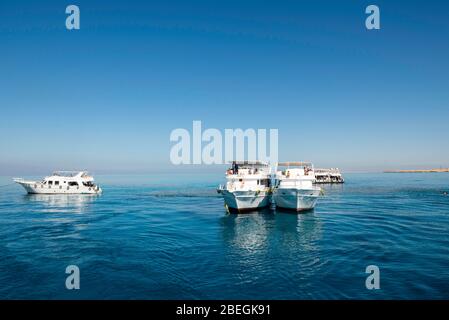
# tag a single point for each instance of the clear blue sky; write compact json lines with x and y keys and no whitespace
{"x":107,"y":96}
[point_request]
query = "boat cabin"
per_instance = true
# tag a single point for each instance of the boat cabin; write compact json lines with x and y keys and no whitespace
{"x":69,"y":179}
{"x":248,"y":174}
{"x":295,"y":174}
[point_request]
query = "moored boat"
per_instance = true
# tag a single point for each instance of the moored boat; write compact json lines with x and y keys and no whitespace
{"x":247,"y":186}
{"x":294,"y":187}
{"x":332,"y":175}
{"x":62,"y":182}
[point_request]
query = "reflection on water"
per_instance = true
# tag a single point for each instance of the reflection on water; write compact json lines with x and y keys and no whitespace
{"x":303,"y":228}
{"x":247,"y":231}
{"x":251,"y":233}
{"x":282,"y":247}
{"x":59,"y":203}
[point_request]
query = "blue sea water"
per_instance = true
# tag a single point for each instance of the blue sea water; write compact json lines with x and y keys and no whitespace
{"x":169,"y":237}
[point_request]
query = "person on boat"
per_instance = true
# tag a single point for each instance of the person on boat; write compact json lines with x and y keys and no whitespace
{"x":307,"y":170}
{"x":235,"y":167}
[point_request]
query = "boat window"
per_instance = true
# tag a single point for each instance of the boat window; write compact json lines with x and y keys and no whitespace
{"x":56,"y":183}
{"x":50,"y":182}
{"x":73,"y":184}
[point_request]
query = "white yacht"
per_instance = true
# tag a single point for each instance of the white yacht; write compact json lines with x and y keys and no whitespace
{"x":62,"y":182}
{"x":248,"y":186}
{"x":294,"y":187}
{"x":332,"y":175}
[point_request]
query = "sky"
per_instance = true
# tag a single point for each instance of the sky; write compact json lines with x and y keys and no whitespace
{"x":106,"y":97}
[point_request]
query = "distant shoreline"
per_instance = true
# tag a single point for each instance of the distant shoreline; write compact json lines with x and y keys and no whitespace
{"x":418,"y":171}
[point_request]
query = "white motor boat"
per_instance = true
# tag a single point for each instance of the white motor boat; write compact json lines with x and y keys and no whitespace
{"x":332,"y":175}
{"x":62,"y":182}
{"x":294,"y":187}
{"x":248,"y":186}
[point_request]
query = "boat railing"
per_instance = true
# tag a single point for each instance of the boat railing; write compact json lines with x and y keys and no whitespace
{"x":69,"y":174}
{"x":327,"y":171}
{"x":246,"y":172}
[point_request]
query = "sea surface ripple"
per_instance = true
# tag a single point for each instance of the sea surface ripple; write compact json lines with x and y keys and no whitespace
{"x":169,"y":237}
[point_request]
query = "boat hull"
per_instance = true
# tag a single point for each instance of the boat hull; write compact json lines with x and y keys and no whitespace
{"x":37,"y":188}
{"x":246,"y":200}
{"x":296,"y":199}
